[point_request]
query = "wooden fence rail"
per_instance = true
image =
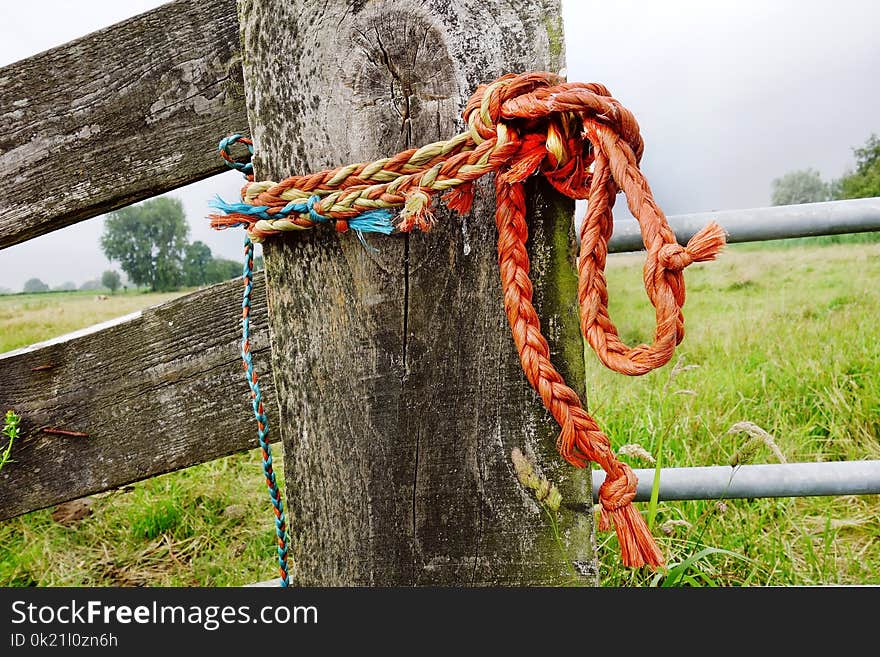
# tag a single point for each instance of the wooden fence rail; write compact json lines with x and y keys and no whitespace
{"x":117,"y":116}
{"x":160,"y":391}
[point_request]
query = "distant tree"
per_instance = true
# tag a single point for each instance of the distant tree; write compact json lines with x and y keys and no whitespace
{"x":803,"y":186}
{"x":258,"y":263}
{"x":94,"y":284}
{"x":35,"y":285}
{"x":5,"y":290}
{"x":196,"y":262}
{"x":864,"y":182}
{"x":111,"y":280}
{"x":69,"y":286}
{"x":221,"y":269}
{"x":148,"y":241}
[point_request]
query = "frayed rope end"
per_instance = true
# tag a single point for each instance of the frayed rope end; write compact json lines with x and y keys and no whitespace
{"x":461,"y":198}
{"x":374,"y":221}
{"x":234,"y":214}
{"x":637,"y":546}
{"x":706,"y":242}
{"x":704,"y":245}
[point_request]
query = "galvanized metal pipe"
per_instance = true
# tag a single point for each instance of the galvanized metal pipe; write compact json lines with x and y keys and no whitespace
{"x":809,"y":219}
{"x":770,"y":480}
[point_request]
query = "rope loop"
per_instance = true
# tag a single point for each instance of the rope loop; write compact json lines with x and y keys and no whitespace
{"x":247,"y":168}
{"x":588,"y":146}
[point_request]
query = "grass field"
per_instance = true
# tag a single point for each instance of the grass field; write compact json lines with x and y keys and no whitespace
{"x":789,"y":340}
{"x":786,"y":338}
{"x":29,"y":318}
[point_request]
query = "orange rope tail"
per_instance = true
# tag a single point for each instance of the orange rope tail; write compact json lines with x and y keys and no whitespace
{"x":616,"y":148}
{"x":588,"y":146}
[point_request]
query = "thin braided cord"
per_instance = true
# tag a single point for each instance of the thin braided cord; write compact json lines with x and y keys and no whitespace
{"x":260,"y":414}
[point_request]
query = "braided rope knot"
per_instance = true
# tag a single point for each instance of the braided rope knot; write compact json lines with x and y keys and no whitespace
{"x":588,"y":146}
{"x":700,"y":247}
{"x":618,"y":491}
{"x":674,"y":257}
{"x":616,"y":495}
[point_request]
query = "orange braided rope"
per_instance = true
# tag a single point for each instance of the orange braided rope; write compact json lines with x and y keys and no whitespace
{"x":588,"y":146}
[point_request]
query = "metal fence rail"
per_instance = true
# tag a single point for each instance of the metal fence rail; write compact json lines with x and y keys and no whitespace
{"x":746,"y":481}
{"x":767,"y":480}
{"x":758,"y":224}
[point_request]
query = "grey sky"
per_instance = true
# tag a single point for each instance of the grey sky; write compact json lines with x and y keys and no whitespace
{"x":729,"y":95}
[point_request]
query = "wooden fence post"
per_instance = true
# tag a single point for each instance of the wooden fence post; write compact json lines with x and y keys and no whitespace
{"x":400,"y":405}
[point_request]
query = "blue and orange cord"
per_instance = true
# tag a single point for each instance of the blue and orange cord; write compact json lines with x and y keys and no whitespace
{"x":281,"y":534}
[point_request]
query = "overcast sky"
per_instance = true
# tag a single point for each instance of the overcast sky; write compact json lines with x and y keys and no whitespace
{"x":728,"y":94}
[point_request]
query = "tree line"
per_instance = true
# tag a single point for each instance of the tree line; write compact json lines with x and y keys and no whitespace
{"x":807,"y":185}
{"x":150,"y":241}
{"x":110,"y":280}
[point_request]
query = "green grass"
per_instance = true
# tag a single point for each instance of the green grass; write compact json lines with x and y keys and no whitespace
{"x":29,"y":318}
{"x":210,"y":525}
{"x":785,"y":338}
{"x":789,"y":340}
{"x":821,"y":240}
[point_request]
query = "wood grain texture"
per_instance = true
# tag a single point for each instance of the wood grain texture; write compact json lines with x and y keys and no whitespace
{"x":159,"y":392}
{"x":401,"y":402}
{"x":117,"y":116}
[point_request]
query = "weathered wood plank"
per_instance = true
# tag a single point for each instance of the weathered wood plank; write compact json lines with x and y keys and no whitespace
{"x":160,"y":391}
{"x":117,"y":116}
{"x":400,"y":405}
